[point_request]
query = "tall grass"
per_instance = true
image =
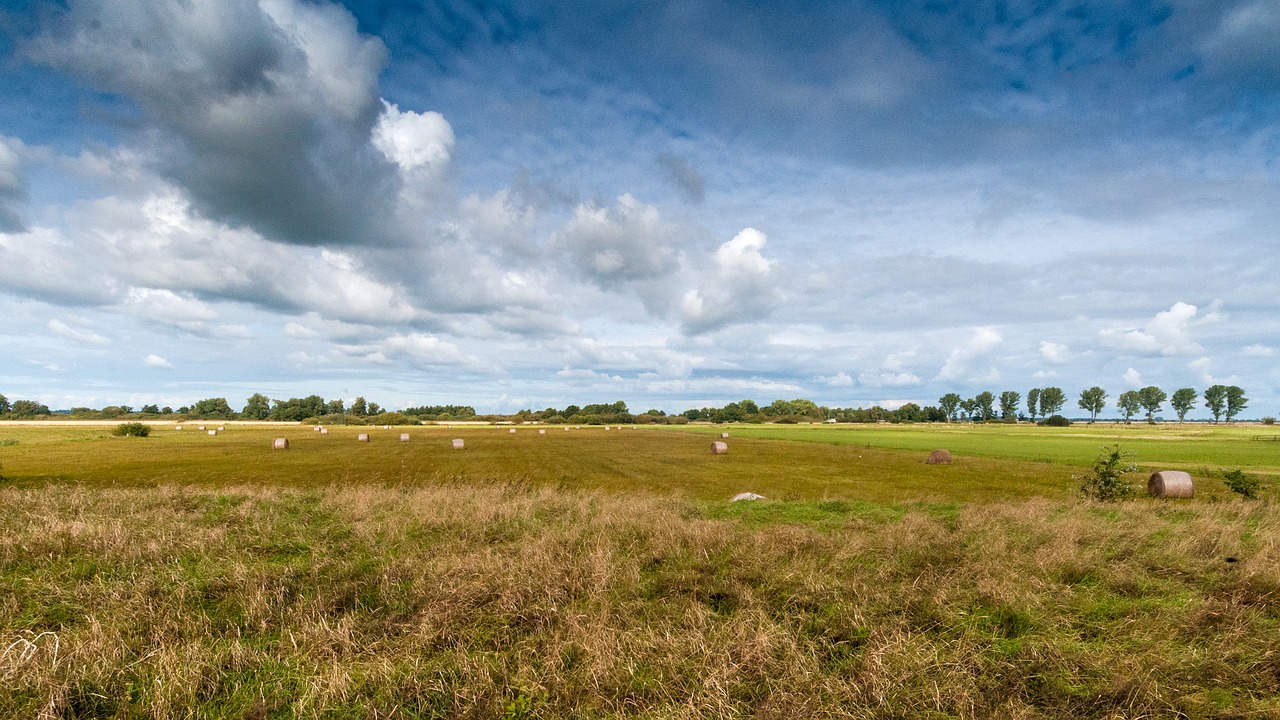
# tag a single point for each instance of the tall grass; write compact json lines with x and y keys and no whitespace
{"x":510,"y":599}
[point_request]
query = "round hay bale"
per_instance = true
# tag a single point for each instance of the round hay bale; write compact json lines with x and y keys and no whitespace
{"x":512,"y":431}
{"x":280,"y":444}
{"x":749,"y":496}
{"x":317,"y":428}
{"x":362,"y":437}
{"x":201,"y":427}
{"x":541,"y":431}
{"x":213,"y":432}
{"x":719,"y":448}
{"x":938,"y":457}
{"x":724,"y":435}
{"x":458,"y":444}
{"x":179,"y":427}
{"x":1170,"y":484}
{"x":404,"y":437}
{"x":324,"y":431}
{"x":221,"y":428}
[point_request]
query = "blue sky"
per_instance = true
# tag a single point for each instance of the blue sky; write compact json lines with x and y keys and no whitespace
{"x":675,"y":204}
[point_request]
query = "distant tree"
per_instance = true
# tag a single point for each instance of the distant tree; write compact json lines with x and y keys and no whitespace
{"x":1009,"y":400}
{"x":27,"y":408}
{"x":749,"y":407}
{"x":1151,"y":398}
{"x":374,"y":408}
{"x":1182,"y":401}
{"x":257,"y":407}
{"x":984,"y":404}
{"x":949,"y":403}
{"x":359,"y":407}
{"x":212,"y":408}
{"x":166,"y":410}
{"x":153,"y":409}
{"x":968,"y":408}
{"x":1236,"y":401}
{"x":1093,"y":401}
{"x":909,"y":412}
{"x":1051,"y":401}
{"x":1215,"y":398}
{"x":4,"y":405}
{"x":296,"y":409}
{"x":1129,"y":404}
{"x":1033,"y":402}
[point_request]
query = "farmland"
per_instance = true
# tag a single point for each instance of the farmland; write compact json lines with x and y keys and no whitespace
{"x":602,"y":574}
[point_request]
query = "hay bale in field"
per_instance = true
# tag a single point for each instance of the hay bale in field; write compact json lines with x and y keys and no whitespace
{"x":201,"y":427}
{"x":178,"y":427}
{"x":221,"y":428}
{"x":1170,"y":484}
{"x":362,"y":437}
{"x":280,"y":444}
{"x":458,"y":444}
{"x":213,"y":432}
{"x":512,"y":431}
{"x":724,"y":435}
{"x":324,"y":431}
{"x":316,"y":428}
{"x":719,"y":448}
{"x":747,"y":496}
{"x":541,"y":431}
{"x":938,"y":457}
{"x":404,"y":437}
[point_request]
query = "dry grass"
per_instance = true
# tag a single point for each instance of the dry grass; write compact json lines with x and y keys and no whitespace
{"x":517,"y":600}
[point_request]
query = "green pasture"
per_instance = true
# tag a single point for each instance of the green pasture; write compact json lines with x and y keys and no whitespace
{"x":797,"y":462}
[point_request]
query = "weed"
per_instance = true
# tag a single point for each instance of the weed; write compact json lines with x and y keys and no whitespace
{"x":1105,"y":481}
{"x":1246,"y":486}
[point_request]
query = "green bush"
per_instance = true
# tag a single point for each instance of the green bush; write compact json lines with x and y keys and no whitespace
{"x":1245,"y":485}
{"x":1055,"y":421}
{"x":1105,"y":480}
{"x":1268,"y":420}
{"x":133,"y":429}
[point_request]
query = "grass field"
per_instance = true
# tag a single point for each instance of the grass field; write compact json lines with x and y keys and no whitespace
{"x":602,"y":574}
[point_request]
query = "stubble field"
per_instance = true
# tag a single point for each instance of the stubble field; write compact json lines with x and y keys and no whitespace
{"x":597,"y":573}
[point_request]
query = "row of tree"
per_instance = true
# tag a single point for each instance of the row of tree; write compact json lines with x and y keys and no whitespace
{"x":1223,"y":401}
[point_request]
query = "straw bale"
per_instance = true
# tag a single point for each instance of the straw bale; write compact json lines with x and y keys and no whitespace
{"x":542,"y":432}
{"x":280,"y":444}
{"x":1170,"y":484}
{"x":747,"y":496}
{"x":362,"y":437}
{"x":458,"y":444}
{"x":324,"y":431}
{"x":724,"y":435}
{"x":512,"y":431}
{"x":213,"y":432}
{"x":404,"y":437}
{"x":938,"y":457}
{"x":719,"y":448}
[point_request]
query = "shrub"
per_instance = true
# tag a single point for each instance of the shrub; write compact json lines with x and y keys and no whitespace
{"x":1055,"y":421}
{"x":133,"y":429}
{"x":1268,"y":420}
{"x":1245,"y":485}
{"x":1105,"y":480}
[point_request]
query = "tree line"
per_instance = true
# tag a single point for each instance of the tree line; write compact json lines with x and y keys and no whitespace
{"x":1222,"y":401}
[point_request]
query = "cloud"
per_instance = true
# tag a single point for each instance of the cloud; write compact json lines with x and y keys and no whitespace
{"x":1245,"y":46}
{"x":1257,"y":350}
{"x":1168,"y":333}
{"x":169,"y":308}
{"x":13,"y":187}
{"x":63,"y":330}
{"x":1055,"y":353}
{"x":615,"y":245}
{"x":155,"y":361}
{"x":262,"y":112}
{"x":681,"y":173}
{"x":840,"y":379}
{"x":961,"y":362}
{"x":738,"y":287}
{"x":1132,"y":378}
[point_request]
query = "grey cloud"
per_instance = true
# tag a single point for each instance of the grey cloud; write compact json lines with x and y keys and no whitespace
{"x":263,"y":116}
{"x":684,"y":176}
{"x":619,"y":244}
{"x":13,"y":187}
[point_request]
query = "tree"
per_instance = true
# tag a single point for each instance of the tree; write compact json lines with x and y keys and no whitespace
{"x":1033,"y":402}
{"x":1182,"y":401}
{"x":968,"y":408}
{"x":1151,"y":398}
{"x":984,"y":405}
{"x":1009,"y":400}
{"x":1051,"y":401}
{"x":153,"y":409}
{"x":359,"y":407}
{"x":336,"y":407}
{"x":1129,"y":404}
{"x":1093,"y":401}
{"x":948,"y":404}
{"x":212,"y":408}
{"x":1215,"y":398}
{"x":909,"y":412}
{"x":257,"y":407}
{"x":1236,"y":401}
{"x":4,"y":404}
{"x":28,"y":408}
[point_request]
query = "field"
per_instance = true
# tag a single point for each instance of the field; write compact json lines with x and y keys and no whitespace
{"x":597,"y":573}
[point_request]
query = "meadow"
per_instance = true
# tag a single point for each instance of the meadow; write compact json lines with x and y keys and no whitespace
{"x":595,"y":573}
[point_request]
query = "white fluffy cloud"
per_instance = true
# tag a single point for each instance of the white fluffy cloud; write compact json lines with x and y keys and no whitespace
{"x":61,"y":329}
{"x":963,"y":362}
{"x":738,"y":287}
{"x":1168,"y":333}
{"x":155,"y":361}
{"x":1132,"y":378}
{"x":618,"y":244}
{"x":1055,"y":353}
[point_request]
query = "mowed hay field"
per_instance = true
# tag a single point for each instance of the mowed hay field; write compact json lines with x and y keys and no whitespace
{"x":603,"y":574}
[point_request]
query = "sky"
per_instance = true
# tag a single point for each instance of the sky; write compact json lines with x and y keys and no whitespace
{"x":675,"y":204}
